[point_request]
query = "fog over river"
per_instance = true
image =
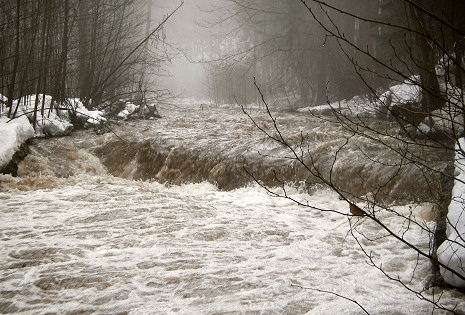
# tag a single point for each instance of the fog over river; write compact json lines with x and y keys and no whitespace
{"x":166,"y":221}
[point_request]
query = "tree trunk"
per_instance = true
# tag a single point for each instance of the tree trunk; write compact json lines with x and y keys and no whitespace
{"x":64,"y":54}
{"x":11,"y":86}
{"x":83,"y":60}
{"x":423,"y":55}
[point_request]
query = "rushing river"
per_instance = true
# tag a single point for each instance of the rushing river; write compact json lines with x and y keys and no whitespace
{"x":165,"y":221}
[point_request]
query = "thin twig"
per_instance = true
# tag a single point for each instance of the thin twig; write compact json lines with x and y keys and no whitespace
{"x":333,"y":293}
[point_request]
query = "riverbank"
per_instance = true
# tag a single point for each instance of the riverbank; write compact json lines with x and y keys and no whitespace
{"x":13,"y":134}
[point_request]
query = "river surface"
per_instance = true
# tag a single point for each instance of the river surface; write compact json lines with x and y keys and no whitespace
{"x":166,"y":222}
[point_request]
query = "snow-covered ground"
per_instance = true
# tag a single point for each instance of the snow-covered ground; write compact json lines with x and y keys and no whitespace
{"x":55,"y":120}
{"x":408,"y":92}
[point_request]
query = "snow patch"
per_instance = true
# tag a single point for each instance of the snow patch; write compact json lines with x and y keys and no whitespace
{"x":357,"y":106}
{"x":48,"y":121}
{"x":406,"y":93}
{"x":128,"y":110}
{"x":55,"y":120}
{"x":402,"y":94}
{"x":452,"y":251}
{"x":13,"y":134}
{"x":88,"y":117}
{"x":143,"y":111}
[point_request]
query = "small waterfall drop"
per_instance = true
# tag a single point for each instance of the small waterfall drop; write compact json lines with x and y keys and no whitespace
{"x":222,"y":147}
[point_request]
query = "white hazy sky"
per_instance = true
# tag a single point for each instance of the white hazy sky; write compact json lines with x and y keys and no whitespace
{"x":183,"y":29}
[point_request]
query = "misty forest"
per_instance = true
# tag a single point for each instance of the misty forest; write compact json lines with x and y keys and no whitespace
{"x":232,"y":157}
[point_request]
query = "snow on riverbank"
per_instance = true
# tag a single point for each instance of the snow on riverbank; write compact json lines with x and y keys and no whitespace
{"x":452,"y":251}
{"x":56,"y":120}
{"x":402,"y":94}
{"x":12,"y":135}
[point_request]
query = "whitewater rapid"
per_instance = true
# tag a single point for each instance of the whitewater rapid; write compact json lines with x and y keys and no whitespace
{"x":77,"y":240}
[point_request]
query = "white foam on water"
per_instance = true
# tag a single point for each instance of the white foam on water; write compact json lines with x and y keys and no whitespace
{"x":109,"y":245}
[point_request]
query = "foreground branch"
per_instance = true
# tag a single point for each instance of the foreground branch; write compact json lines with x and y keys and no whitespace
{"x":333,"y":293}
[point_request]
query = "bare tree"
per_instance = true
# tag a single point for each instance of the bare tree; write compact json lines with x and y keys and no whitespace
{"x":76,"y":48}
